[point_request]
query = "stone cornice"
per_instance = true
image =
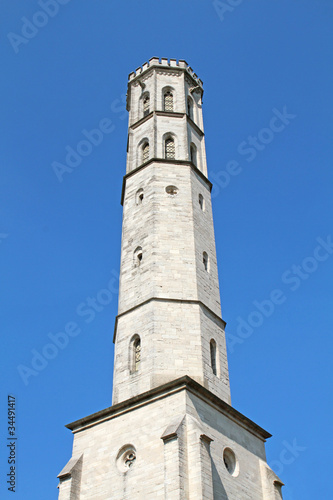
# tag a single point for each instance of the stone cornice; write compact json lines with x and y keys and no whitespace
{"x":195,"y":126}
{"x":181,"y":384}
{"x":166,"y":162}
{"x":162,"y":299}
{"x":170,"y":114}
{"x":142,"y":120}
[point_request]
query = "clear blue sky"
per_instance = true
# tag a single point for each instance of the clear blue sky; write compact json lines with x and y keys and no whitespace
{"x":60,"y":241}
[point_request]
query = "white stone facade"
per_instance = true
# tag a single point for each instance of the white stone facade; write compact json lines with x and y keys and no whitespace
{"x":168,"y":299}
{"x":171,"y":432}
{"x":185,"y":127}
{"x":178,"y":434}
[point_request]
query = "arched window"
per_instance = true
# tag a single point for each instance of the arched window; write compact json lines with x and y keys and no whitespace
{"x":193,"y":153}
{"x":135,"y":354}
{"x":205,"y":261}
{"x":190,"y":107}
{"x":138,"y":256}
{"x":170,"y":149}
{"x":139,"y":196}
{"x":201,"y":202}
{"x":213,"y":356}
{"x":146,"y":103}
{"x":145,"y":152}
{"x":168,"y":101}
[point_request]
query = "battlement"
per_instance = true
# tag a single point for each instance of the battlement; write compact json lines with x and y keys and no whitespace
{"x":164,"y":62}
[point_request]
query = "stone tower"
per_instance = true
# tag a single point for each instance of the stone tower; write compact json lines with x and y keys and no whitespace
{"x":171,"y":432}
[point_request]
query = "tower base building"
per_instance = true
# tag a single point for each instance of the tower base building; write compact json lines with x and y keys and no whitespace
{"x":171,"y":432}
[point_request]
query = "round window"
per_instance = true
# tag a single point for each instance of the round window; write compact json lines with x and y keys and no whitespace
{"x":172,"y":190}
{"x":126,"y":458}
{"x":230,"y":462}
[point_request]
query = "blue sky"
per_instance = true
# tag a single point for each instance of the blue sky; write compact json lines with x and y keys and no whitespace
{"x":60,"y":241}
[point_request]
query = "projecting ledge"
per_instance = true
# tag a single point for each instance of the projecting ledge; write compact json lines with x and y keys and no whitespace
{"x":173,"y":429}
{"x":165,"y":162}
{"x":71,"y":465}
{"x":171,"y":300}
{"x":184,"y":383}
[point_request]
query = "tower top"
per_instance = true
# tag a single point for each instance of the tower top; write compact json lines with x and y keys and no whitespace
{"x":165,"y":63}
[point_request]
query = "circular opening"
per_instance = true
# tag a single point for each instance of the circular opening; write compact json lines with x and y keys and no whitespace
{"x":172,"y":190}
{"x":126,"y":458}
{"x":230,"y":462}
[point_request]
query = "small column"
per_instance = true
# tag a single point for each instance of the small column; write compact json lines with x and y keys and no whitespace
{"x":70,"y":479}
{"x":206,"y":468}
{"x":271,"y":483}
{"x":200,"y":463}
{"x":175,"y":473}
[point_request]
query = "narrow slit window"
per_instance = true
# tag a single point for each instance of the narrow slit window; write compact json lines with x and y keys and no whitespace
{"x":190,"y":108}
{"x":213,"y":356}
{"x":170,"y":149}
{"x":193,"y":154}
{"x":136,"y":354}
{"x":138,"y":256}
{"x":201,"y":202}
{"x":205,"y":261}
{"x":146,"y":104}
{"x":145,"y":152}
{"x":139,"y":196}
{"x":168,"y":101}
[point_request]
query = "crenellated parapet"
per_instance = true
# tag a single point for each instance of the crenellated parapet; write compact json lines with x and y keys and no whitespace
{"x":165,"y":63}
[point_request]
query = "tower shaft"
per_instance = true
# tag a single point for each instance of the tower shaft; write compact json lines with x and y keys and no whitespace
{"x":169,"y":300}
